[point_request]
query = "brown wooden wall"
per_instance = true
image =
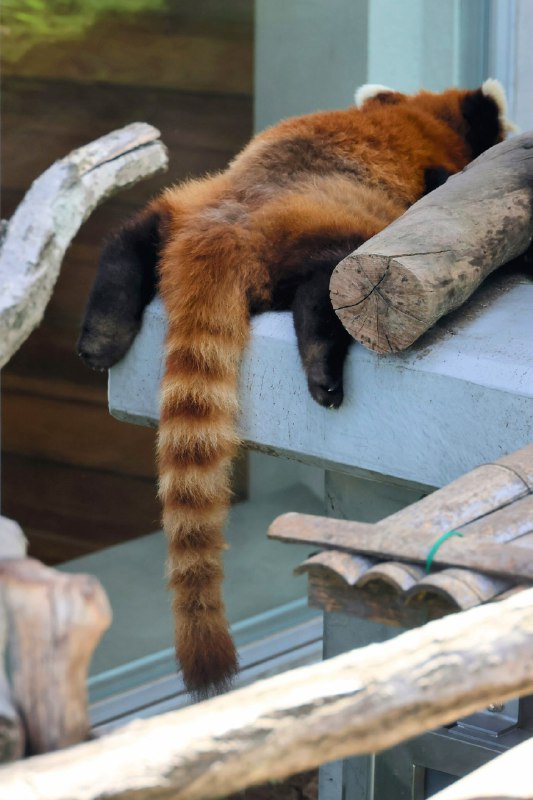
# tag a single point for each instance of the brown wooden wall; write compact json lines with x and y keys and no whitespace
{"x":76,"y":479}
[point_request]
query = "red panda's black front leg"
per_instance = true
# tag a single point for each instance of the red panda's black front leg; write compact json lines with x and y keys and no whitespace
{"x":322,"y":340}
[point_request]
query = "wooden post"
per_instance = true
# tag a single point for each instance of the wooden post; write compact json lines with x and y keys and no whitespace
{"x":429,"y":261}
{"x":55,"y":621}
{"x":365,"y":700}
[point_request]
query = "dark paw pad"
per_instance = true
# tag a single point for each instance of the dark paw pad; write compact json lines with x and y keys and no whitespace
{"x":100,"y":351}
{"x":327,"y":392}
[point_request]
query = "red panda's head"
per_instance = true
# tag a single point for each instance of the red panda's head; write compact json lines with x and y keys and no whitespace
{"x":479,"y":115}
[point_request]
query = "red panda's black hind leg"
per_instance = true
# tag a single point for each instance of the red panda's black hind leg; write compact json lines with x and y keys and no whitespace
{"x":322,"y":341}
{"x":125,"y":283}
{"x":435,"y":177}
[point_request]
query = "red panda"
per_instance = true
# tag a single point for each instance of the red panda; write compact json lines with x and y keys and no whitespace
{"x":264,"y":234}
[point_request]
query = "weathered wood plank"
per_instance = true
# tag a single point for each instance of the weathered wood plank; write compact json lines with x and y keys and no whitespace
{"x":490,"y":505}
{"x":359,"y":702}
{"x":427,"y":263}
{"x":472,"y":552}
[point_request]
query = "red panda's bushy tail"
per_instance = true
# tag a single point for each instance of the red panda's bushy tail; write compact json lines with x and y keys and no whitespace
{"x":203,"y":288}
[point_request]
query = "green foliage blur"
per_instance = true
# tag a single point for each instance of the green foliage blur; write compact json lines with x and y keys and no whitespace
{"x":25,"y":23}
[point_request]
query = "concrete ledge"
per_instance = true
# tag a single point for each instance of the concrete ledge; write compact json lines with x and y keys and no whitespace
{"x":461,"y":396}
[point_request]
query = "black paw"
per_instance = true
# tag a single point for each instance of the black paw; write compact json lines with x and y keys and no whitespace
{"x":100,"y":350}
{"x":326,"y":390}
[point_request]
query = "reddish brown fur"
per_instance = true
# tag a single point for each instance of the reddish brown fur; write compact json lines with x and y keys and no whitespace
{"x":338,"y":176}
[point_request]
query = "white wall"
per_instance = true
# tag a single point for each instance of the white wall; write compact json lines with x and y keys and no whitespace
{"x":312,"y":54}
{"x":511,"y":56}
{"x":523,"y":78}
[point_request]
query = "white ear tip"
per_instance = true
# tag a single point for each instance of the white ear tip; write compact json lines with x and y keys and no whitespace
{"x":494,"y":89}
{"x":369,"y":90}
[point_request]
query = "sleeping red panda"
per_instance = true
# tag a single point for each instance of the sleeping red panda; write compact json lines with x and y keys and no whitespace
{"x":264,"y":234}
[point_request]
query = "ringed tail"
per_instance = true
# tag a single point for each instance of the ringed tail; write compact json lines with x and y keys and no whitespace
{"x":202,"y":287}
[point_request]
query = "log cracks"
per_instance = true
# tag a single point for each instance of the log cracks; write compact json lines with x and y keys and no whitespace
{"x":399,"y":283}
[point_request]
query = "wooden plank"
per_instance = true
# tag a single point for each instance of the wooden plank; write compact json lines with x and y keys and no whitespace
{"x":481,"y":504}
{"x":359,"y":702}
{"x":473,"y":552}
{"x":504,"y":524}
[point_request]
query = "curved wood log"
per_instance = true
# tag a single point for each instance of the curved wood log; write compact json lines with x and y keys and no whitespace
{"x":55,"y":621}
{"x":366,"y":700}
{"x":429,"y":261}
{"x":34,"y":242}
{"x":12,"y":739}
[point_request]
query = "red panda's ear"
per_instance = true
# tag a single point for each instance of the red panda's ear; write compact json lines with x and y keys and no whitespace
{"x":484,"y":112}
{"x":375,"y":92}
{"x":494,"y":89}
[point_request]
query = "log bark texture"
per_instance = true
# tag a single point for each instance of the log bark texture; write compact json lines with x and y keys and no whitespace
{"x":359,"y":702}
{"x":55,"y":621}
{"x":429,"y":261}
{"x":59,"y":201}
{"x":12,"y":739}
{"x":507,"y":777}
{"x":491,"y":506}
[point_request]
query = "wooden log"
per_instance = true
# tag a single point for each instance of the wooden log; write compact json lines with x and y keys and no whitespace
{"x":489,"y":505}
{"x":50,"y":214}
{"x":472,"y":552}
{"x":360,"y":702}
{"x":507,"y":777}
{"x":13,"y":544}
{"x":55,"y":621}
{"x":12,"y":739}
{"x":429,"y":261}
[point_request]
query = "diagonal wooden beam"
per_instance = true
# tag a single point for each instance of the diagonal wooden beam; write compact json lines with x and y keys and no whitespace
{"x":360,"y":702}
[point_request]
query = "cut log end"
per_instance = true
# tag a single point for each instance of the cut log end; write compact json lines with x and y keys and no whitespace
{"x":387,"y":312}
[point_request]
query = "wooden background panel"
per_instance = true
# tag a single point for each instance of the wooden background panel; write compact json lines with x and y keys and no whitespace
{"x":76,"y":479}
{"x":193,"y":45}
